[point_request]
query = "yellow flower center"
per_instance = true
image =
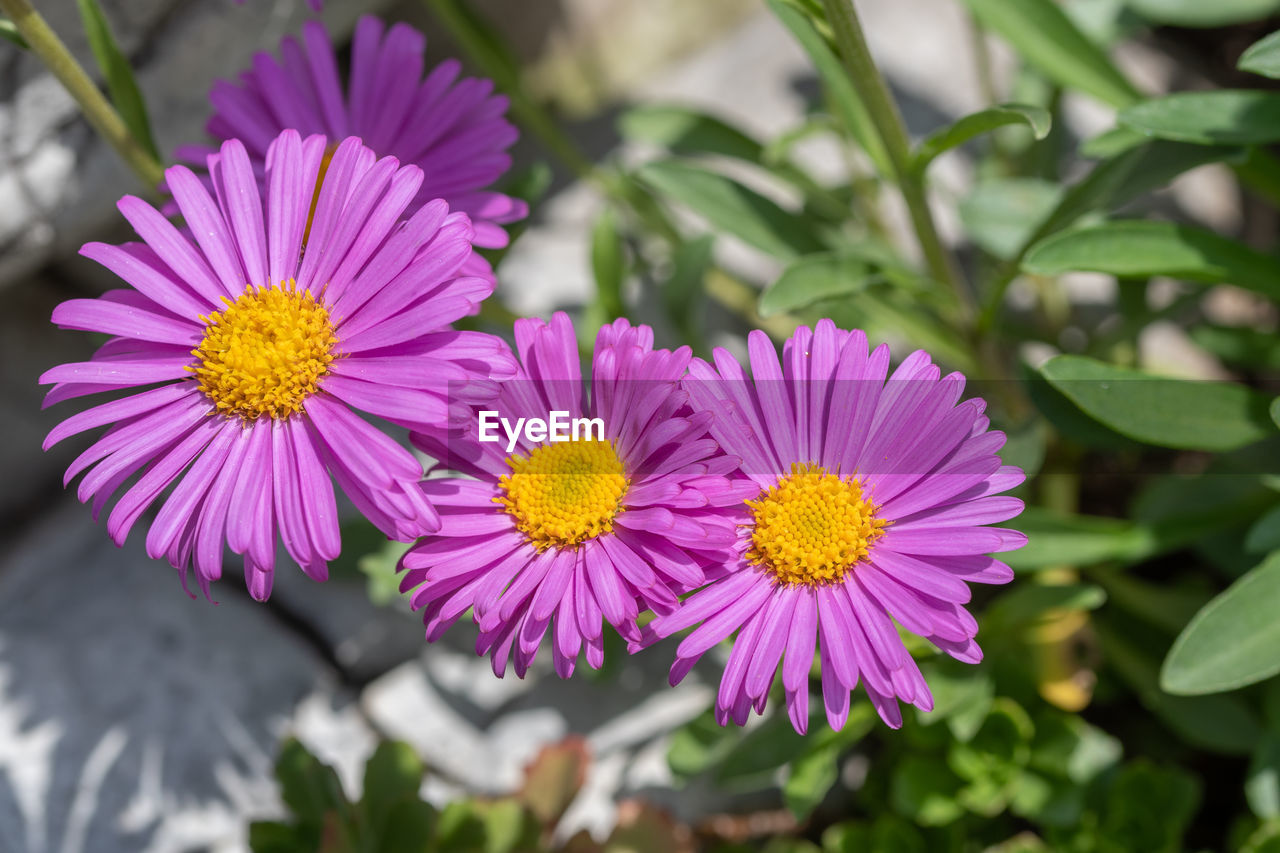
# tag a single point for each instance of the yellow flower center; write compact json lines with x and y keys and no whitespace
{"x":564,"y":492}
{"x":264,"y":353}
{"x":812,"y":527}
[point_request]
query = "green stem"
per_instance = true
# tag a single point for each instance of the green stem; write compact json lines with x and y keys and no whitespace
{"x":44,"y":43}
{"x":875,"y":95}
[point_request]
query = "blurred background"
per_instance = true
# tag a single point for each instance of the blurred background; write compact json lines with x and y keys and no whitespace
{"x":135,"y":719}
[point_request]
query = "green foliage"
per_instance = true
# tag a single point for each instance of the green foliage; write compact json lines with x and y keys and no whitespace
{"x":1233,"y":641}
{"x":1160,"y":411}
{"x":121,"y":85}
{"x":10,"y":33}
{"x":1047,"y":39}
{"x":975,"y":125}
{"x":1262,"y":57}
{"x":813,"y":278}
{"x":1220,"y":117}
{"x":1196,"y":13}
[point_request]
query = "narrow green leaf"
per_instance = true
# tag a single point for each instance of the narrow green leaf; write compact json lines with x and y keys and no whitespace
{"x":1179,"y":413}
{"x":1263,"y":57}
{"x":1048,"y":40}
{"x":608,"y":264}
{"x":812,"y":278}
{"x":10,"y":33}
{"x":1218,"y":117}
{"x":733,"y":208}
{"x":1029,"y":602}
{"x":308,"y":787}
{"x":977,"y":124}
{"x":682,"y":130}
{"x":1264,"y":535}
{"x":1199,"y":13}
{"x":1143,"y":248}
{"x":121,"y":84}
{"x":392,"y":775}
{"x":1130,"y":175}
{"x":1000,"y":215}
{"x":1233,"y":641}
{"x":840,"y":92}
{"x":1275,"y":411}
{"x":1262,"y":784}
{"x":1111,"y":143}
{"x":683,"y":291}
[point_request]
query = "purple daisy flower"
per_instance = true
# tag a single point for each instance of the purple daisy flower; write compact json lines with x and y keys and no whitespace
{"x":454,"y":130}
{"x":868,"y":504}
{"x":257,"y":344}
{"x":564,"y":534}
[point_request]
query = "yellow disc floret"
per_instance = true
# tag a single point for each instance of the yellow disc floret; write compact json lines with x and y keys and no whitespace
{"x":264,"y":353}
{"x":565,"y":492}
{"x":812,"y":527}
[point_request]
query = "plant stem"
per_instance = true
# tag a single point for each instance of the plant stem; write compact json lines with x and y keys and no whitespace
{"x":875,"y":95}
{"x":44,"y":43}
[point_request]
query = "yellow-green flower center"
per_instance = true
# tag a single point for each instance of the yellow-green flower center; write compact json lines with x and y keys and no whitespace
{"x":264,"y":353}
{"x":812,"y":527}
{"x":565,"y":492}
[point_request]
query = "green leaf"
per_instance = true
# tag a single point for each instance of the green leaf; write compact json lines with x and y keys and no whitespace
{"x":1129,"y":175}
{"x":1144,"y":248}
{"x":733,"y":208}
{"x":1030,"y":602}
{"x":1077,"y":540}
{"x":1048,"y":40}
{"x":1264,"y":535}
{"x":1066,"y":745}
{"x":121,"y":84}
{"x":1263,"y":57}
{"x":1184,"y":414}
{"x":272,"y":837}
{"x":10,"y":33}
{"x":308,"y":787}
{"x":700,"y":744}
{"x":682,"y":130}
{"x":683,"y":291}
{"x":962,"y":695}
{"x":409,"y":829}
{"x":1199,"y":13}
{"x":841,"y":94}
{"x":1240,"y":346}
{"x":392,"y":775}
{"x":811,"y":777}
{"x":812,"y":278}
{"x":1262,"y":784}
{"x":925,"y":790}
{"x":1148,"y":808}
{"x":1233,"y":641}
{"x":976,"y":124}
{"x":1275,"y":411}
{"x":609,"y":265}
{"x":1000,"y":215}
{"x":1218,"y":117}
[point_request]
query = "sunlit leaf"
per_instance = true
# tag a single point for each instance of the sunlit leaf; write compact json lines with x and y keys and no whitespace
{"x":1200,"y":13}
{"x":730,"y":206}
{"x":1179,"y":413}
{"x":813,"y":278}
{"x":976,"y":124}
{"x":1233,"y":641}
{"x":1048,"y":40}
{"x":1218,"y":117}
{"x":115,"y":66}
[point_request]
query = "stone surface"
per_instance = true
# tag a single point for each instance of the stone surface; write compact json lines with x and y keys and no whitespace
{"x":133,"y":718}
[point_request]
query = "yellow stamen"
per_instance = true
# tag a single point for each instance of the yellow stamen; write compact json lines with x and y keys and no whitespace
{"x":565,"y":492}
{"x":264,"y":353}
{"x":812,"y":527}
